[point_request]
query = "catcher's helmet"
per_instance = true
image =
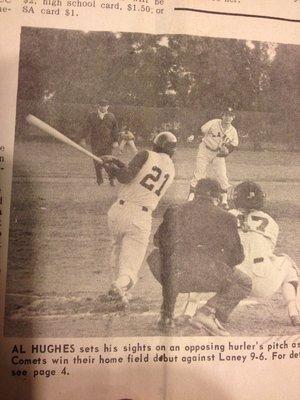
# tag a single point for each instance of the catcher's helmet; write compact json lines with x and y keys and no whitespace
{"x":208,"y":188}
{"x":165,"y":142}
{"x":248,"y":195}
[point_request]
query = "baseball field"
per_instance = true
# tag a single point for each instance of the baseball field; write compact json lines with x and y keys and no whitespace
{"x":59,"y":248}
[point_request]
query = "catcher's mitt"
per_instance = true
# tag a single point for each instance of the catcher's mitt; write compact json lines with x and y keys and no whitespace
{"x":223,"y":152}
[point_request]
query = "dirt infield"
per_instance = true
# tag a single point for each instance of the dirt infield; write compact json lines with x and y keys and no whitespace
{"x":59,"y":245}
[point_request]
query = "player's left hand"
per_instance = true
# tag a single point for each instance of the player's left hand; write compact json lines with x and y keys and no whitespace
{"x":115,"y":145}
{"x":111,"y":169}
{"x":112,"y":165}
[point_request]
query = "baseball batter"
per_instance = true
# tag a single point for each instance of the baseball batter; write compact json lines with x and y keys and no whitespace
{"x":259,"y":232}
{"x":220,"y":139}
{"x":127,"y":139}
{"x":143,"y":183}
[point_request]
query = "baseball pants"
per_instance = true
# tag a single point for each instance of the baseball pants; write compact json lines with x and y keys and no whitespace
{"x":270,"y":274}
{"x":207,"y":160}
{"x":130,"y":228}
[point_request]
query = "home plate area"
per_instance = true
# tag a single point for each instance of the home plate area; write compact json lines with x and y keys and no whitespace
{"x":28,"y":306}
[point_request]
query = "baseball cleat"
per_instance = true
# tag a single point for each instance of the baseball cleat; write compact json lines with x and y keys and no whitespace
{"x":182,"y":320}
{"x":209,"y":323}
{"x":165,"y":323}
{"x":295,"y":320}
{"x":117,"y":293}
{"x":191,"y":196}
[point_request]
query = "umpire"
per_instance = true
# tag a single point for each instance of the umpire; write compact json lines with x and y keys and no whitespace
{"x":198,"y":249}
{"x":103,"y":134}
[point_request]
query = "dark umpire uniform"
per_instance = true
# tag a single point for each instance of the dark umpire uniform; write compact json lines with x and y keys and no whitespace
{"x":198,"y":248}
{"x":103,"y":133}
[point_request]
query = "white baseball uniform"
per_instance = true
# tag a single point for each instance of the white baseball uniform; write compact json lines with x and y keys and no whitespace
{"x":214,"y":137}
{"x":130,"y":217}
{"x":269,"y":272}
{"x":258,"y":232}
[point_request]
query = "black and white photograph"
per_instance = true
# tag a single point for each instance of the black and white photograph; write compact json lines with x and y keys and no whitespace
{"x":155,"y":187}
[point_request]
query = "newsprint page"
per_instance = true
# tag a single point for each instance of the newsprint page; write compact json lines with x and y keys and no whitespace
{"x":149,"y":199}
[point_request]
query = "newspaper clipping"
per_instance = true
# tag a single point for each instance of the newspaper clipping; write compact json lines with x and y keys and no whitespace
{"x":149,"y":199}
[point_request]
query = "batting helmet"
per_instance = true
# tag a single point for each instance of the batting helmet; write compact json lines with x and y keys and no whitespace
{"x":165,"y":142}
{"x":248,"y":195}
{"x":208,"y":188}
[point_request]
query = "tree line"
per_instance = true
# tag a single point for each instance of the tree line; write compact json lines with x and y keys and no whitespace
{"x":63,"y":73}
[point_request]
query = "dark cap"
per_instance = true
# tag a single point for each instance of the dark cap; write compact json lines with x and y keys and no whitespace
{"x":166,"y":142}
{"x":103,"y":102}
{"x":228,"y":111}
{"x":249,"y":195}
{"x":208,"y":188}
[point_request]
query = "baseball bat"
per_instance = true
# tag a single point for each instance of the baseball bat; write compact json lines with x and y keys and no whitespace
{"x":31,"y":119}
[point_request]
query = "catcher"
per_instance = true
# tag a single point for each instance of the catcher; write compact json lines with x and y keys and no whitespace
{"x":259,"y":232}
{"x":195,"y":255}
{"x":220,"y":139}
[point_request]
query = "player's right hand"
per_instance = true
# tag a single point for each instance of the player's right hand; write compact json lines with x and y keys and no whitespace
{"x":190,"y":138}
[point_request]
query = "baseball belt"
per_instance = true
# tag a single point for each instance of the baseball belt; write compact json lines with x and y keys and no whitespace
{"x":122,"y":202}
{"x":258,"y":260}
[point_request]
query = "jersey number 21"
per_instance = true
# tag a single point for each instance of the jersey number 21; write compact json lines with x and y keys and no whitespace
{"x":151,"y":181}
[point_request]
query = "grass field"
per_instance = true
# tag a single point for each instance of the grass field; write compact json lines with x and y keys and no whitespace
{"x":59,"y":245}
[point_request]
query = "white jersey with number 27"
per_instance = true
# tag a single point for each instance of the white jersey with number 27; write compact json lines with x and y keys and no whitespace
{"x":151,"y":183}
{"x":258,"y":232}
